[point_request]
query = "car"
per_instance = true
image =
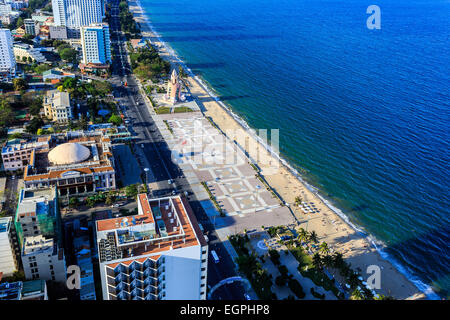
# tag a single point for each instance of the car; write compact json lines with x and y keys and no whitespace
{"x":142,"y":146}
{"x":186,"y":193}
{"x":174,"y":192}
{"x":116,"y":205}
{"x":247,"y":297}
{"x":169,"y":181}
{"x":13,"y":177}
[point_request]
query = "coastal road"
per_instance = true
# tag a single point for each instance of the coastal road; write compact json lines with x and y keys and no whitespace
{"x":158,"y":156}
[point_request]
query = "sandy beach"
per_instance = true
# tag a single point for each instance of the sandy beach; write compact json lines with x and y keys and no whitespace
{"x":328,"y":225}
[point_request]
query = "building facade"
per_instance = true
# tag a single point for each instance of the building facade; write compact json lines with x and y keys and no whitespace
{"x":43,"y":259}
{"x":77,"y":164}
{"x":77,"y":13}
{"x":96,"y":44}
{"x":8,"y":263}
{"x":7,"y":58}
{"x":57,"y":106}
{"x":30,"y":27}
{"x":26,"y":290}
{"x":38,"y":228}
{"x":24,"y":52}
{"x":158,"y":254}
{"x":16,"y":154}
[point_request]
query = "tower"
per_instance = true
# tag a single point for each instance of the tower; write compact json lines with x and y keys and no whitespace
{"x":174,"y":88}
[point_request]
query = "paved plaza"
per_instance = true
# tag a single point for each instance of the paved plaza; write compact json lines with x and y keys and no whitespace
{"x":205,"y":155}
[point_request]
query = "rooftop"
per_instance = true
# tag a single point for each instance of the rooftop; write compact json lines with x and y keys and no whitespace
{"x":161,"y":224}
{"x":5,"y":222}
{"x":72,"y":153}
{"x":68,"y":153}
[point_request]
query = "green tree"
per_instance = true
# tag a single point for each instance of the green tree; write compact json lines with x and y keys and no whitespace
{"x":317,"y":261}
{"x":6,"y":115}
{"x":131,"y":191}
{"x":34,"y":125}
{"x":324,"y":249}
{"x":73,"y":202}
{"x":90,"y":201}
{"x":115,"y":119}
{"x":313,"y":237}
{"x":68,"y":54}
{"x":19,"y":84}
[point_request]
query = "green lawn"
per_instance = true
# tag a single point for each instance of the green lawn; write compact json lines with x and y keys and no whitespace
{"x":182,"y":109}
{"x":162,"y":110}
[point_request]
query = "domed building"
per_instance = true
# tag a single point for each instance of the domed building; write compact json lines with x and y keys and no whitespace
{"x":68,"y":153}
{"x":77,"y":164}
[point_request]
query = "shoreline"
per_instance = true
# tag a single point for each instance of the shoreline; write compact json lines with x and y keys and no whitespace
{"x":401,"y":284}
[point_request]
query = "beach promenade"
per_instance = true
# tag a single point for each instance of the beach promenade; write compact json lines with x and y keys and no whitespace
{"x":328,"y":225}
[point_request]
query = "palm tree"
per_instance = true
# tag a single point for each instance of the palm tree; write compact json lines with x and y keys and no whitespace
{"x":357,"y":295}
{"x":353,"y":280}
{"x":313,"y":237}
{"x":302,"y":235}
{"x":327,"y":261}
{"x":338,"y":260}
{"x":324,"y":248}
{"x":317,"y":261}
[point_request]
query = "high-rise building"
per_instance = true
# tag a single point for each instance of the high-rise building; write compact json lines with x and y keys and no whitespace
{"x":30,"y":27}
{"x":77,"y":13}
{"x":38,"y":228}
{"x":158,"y":254}
{"x":7,"y":257}
{"x":7,"y":60}
{"x":96,"y":44}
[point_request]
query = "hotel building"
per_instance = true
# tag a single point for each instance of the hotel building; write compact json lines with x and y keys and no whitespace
{"x":7,"y":60}
{"x":158,"y":254}
{"x":77,"y":13}
{"x":96,"y":44}
{"x":77,"y":164}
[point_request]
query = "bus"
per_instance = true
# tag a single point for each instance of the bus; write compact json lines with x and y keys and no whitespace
{"x":215,"y":256}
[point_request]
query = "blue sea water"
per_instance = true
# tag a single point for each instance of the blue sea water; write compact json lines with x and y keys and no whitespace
{"x":363,"y":114}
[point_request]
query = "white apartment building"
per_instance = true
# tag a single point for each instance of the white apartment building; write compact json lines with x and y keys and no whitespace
{"x":7,"y":257}
{"x":57,"y":106}
{"x":77,"y":13}
{"x":7,"y":60}
{"x":158,"y":254}
{"x":5,"y":8}
{"x":43,"y":259}
{"x":96,"y":44}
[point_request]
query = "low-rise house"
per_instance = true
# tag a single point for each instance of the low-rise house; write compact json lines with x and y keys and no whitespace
{"x":23,"y":52}
{"x":55,"y":74}
{"x":16,"y":153}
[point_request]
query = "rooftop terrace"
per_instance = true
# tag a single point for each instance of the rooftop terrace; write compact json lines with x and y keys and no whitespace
{"x":161,"y":224}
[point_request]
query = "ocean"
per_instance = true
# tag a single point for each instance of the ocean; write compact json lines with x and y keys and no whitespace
{"x":363,"y":114}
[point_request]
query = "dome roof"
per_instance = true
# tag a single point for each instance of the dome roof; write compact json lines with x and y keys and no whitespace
{"x":68,"y":153}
